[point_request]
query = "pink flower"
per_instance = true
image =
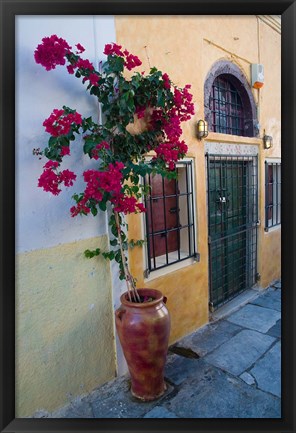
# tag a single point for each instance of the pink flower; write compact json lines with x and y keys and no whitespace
{"x":50,"y":179}
{"x":65,"y":151}
{"x":80,"y":48}
{"x":113,"y":49}
{"x":60,"y":123}
{"x":51,"y":164}
{"x":80,"y":208}
{"x":140,"y":111}
{"x":166,"y":81}
{"x":94,"y":79}
{"x":85,"y":64}
{"x":67,"y":177}
{"x":101,"y":146}
{"x":51,"y":52}
{"x":131,"y":61}
{"x":127,"y":204}
{"x":171,"y":152}
{"x":71,"y":69}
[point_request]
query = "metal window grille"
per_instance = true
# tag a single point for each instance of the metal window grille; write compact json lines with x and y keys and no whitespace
{"x":232,"y":224}
{"x":272,"y":194}
{"x":170,"y":228}
{"x":226,"y":108}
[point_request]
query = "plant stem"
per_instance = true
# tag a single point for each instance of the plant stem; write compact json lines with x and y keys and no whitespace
{"x":128,"y":278}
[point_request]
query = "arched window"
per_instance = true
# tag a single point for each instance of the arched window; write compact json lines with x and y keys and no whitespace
{"x":226,"y":107}
{"x":229,"y":104}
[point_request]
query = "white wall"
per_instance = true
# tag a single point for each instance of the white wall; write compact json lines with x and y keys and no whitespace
{"x":44,"y":220}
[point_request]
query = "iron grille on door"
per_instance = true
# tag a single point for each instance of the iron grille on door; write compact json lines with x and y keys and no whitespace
{"x":232,"y":223}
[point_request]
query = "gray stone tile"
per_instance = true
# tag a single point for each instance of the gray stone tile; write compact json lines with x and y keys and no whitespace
{"x":119,"y":403}
{"x":255,"y":317}
{"x":270,"y":299}
{"x":179,"y":368}
{"x":248,"y":378}
{"x":267,"y":371}
{"x":240,"y":352}
{"x":214,"y":394}
{"x":210,"y":337}
{"x":81,"y":409}
{"x":160,"y":412}
{"x":276,"y":330}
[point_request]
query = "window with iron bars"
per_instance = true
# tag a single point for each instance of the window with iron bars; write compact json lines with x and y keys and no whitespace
{"x":170,"y":228}
{"x":226,"y":108}
{"x":272,"y":194}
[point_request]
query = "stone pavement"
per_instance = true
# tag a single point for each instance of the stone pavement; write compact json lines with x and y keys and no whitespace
{"x":230,"y":368}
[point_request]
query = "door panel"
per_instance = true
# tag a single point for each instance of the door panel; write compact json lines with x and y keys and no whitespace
{"x":230,"y":199}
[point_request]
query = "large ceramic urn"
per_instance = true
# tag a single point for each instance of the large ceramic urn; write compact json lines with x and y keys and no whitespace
{"x":143,"y":330}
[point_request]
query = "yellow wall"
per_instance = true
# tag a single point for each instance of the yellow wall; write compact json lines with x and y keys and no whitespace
{"x":64,"y":325}
{"x":186,"y":47}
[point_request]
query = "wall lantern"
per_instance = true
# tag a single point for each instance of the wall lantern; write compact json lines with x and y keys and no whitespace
{"x":202,"y":129}
{"x":267,"y":141}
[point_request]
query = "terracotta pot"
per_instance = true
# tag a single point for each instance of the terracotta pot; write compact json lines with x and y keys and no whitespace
{"x":143,"y":330}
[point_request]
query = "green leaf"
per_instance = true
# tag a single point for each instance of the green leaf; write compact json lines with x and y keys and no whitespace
{"x":90,"y":254}
{"x":160,"y":98}
{"x":114,"y":242}
{"x":52,"y":141}
{"x":117,"y":257}
{"x":102,"y":205}
{"x":94,"y":210}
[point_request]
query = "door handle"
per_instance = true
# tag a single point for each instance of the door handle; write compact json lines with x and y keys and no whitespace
{"x":173,"y":210}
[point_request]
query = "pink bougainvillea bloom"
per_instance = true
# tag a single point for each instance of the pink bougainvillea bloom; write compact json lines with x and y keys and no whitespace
{"x":67,"y":177}
{"x":140,"y":111}
{"x":131,"y":61}
{"x":60,"y":123}
{"x":166,"y":81}
{"x":127,"y":204}
{"x":113,"y":49}
{"x":85,"y":64}
{"x":94,"y":79}
{"x":49,"y":179}
{"x":51,"y":52}
{"x":80,"y":48}
{"x":65,"y":150}
{"x":71,"y":69}
{"x":101,"y":146}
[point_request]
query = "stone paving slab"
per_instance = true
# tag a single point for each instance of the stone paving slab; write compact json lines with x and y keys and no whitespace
{"x":240,"y":352}
{"x":210,"y":337}
{"x":179,"y":368}
{"x":271,"y":299}
{"x":267,"y":371}
{"x":276,"y":330}
{"x":255,"y":317}
{"x":117,"y":402}
{"x":215,"y":394}
{"x":160,"y":412}
{"x":79,"y":408}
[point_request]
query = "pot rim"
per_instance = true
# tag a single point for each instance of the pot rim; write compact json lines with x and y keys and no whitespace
{"x":157,"y":294}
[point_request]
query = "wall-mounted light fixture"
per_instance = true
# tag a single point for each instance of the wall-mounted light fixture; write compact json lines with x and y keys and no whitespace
{"x":202,"y":129}
{"x":267,"y":141}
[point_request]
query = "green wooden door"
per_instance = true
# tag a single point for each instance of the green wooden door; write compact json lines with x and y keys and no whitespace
{"x":230,"y":203}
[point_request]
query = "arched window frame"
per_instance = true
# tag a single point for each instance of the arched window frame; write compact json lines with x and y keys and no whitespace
{"x":237,"y":79}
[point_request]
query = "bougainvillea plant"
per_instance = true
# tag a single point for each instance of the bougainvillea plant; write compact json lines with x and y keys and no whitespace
{"x":120,"y":154}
